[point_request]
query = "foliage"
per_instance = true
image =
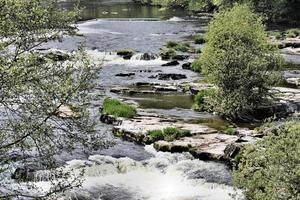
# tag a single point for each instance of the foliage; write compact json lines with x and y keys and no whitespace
{"x":167,"y":53}
{"x":230,"y":131}
{"x":199,"y":39}
{"x":201,"y":100}
{"x":178,"y":46}
{"x":201,"y":5}
{"x":118,"y":109}
{"x":292,"y":33}
{"x":272,"y":10}
{"x":171,"y":3}
{"x":270,"y":168}
{"x":169,"y":134}
{"x":239,"y":61}
{"x":35,"y":89}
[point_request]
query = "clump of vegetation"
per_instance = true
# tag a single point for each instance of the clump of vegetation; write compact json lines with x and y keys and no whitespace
{"x":178,"y":46}
{"x":169,"y":134}
{"x":230,"y":131}
{"x":292,"y":33}
{"x":118,"y":109}
{"x":239,"y":61}
{"x":199,"y":39}
{"x":270,"y":168}
{"x":167,"y":53}
{"x":201,"y":100}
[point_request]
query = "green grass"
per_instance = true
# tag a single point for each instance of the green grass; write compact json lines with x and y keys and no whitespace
{"x":178,"y":46}
{"x":118,"y":109}
{"x":230,"y":131}
{"x":292,"y":33}
{"x":169,"y":134}
{"x":172,"y":44}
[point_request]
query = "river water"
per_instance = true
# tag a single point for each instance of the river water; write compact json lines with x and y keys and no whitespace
{"x":128,"y":171}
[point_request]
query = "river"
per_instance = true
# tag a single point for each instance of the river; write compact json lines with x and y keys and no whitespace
{"x":128,"y":171}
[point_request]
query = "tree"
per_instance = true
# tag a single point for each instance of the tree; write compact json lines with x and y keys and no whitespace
{"x":270,"y":169}
{"x":238,"y":60}
{"x":272,"y":10}
{"x":43,"y":97}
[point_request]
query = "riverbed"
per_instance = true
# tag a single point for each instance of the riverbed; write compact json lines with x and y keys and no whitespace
{"x":128,"y":171}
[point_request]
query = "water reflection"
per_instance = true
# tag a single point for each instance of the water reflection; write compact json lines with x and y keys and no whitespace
{"x":112,"y":9}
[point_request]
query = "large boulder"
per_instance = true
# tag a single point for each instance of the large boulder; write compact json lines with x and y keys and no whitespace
{"x":126,"y":53}
{"x":171,"y":76}
{"x":171,"y":63}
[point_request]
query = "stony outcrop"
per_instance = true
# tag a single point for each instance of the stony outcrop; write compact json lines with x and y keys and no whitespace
{"x":171,"y":63}
{"x":126,"y":53}
{"x":125,"y":74}
{"x":187,"y":66}
{"x":204,"y":143}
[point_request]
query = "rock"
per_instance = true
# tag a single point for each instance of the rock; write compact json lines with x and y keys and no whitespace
{"x":291,"y":42}
{"x":167,"y":54}
{"x":231,"y":151}
{"x":148,"y":56}
{"x":172,"y":63}
{"x":162,"y":76}
{"x":169,"y":147}
{"x":109,"y":119}
{"x":24,"y":174}
{"x":187,"y":66}
{"x":180,"y":57}
{"x":125,"y":74}
{"x":126,"y":53}
{"x":142,"y":84}
{"x":165,"y":88}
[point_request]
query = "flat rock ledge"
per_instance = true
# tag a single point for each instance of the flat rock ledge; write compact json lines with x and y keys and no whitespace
{"x":205,"y":143}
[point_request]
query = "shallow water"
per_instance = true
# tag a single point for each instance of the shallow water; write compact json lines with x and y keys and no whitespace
{"x":128,"y":171}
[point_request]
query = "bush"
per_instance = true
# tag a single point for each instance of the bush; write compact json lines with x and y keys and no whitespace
{"x":169,"y":134}
{"x":118,"y":109}
{"x":270,"y":169}
{"x":171,"y":3}
{"x":199,"y":39}
{"x":201,"y":101}
{"x":275,"y":10}
{"x":239,"y":61}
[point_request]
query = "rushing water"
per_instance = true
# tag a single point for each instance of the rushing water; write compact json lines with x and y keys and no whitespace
{"x":128,"y":171}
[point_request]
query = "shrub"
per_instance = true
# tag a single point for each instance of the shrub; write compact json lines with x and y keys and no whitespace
{"x":171,"y":3}
{"x":270,"y":169}
{"x":201,"y":101}
{"x":118,"y":109}
{"x":169,"y":134}
{"x":199,"y":39}
{"x":239,"y":61}
{"x":201,"y":5}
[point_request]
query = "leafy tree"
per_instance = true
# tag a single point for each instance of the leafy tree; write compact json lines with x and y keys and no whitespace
{"x":239,"y":61}
{"x":43,"y":98}
{"x":272,"y":10}
{"x":270,"y":169}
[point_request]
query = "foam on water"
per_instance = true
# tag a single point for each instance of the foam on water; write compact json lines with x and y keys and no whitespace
{"x":166,"y":176}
